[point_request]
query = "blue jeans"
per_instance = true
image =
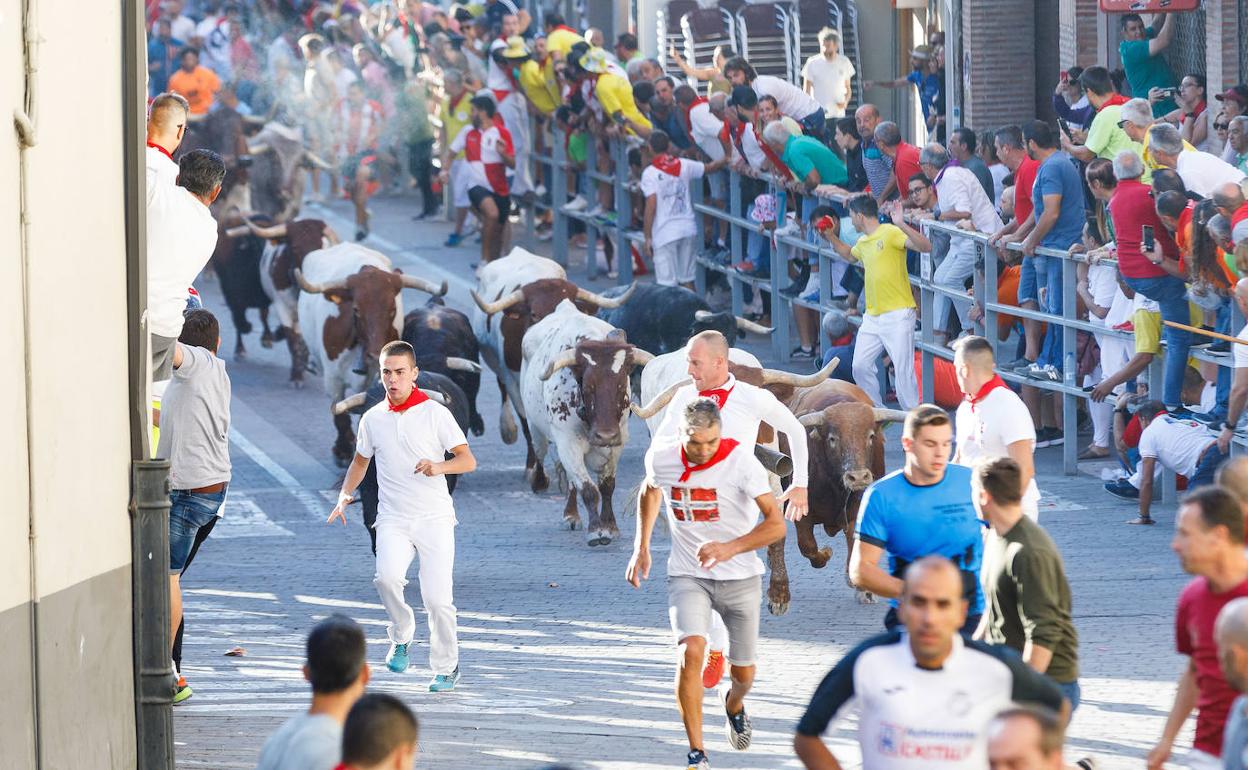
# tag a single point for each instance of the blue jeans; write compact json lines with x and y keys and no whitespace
{"x":1171,"y":294}
{"x":1033,"y":272}
{"x":1207,"y":467}
{"x":1051,"y":349}
{"x":188,"y":511}
{"x":1072,"y":693}
{"x":1223,"y":326}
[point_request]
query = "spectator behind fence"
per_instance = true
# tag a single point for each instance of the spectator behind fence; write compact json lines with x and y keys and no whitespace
{"x":928,"y":77}
{"x":850,"y":142}
{"x":793,"y":101}
{"x":338,"y":672}
{"x":380,"y":733}
{"x":1105,"y":139}
{"x":894,"y":679}
{"x":828,"y":75}
{"x":1229,"y":200}
{"x":962,"y":144}
{"x":1070,"y":102}
{"x":1136,"y":118}
{"x":1132,"y":210}
{"x":1237,"y":142}
{"x":1193,"y":115}
{"x":878,"y":166}
{"x":1142,"y":52}
{"x":1239,"y":387}
{"x":198,"y":84}
{"x":1209,"y":541}
{"x":1012,"y":149}
{"x":1234,"y":103}
{"x":1201,"y":172}
{"x":987,"y":149}
{"x":838,"y":343}
{"x":904,"y":156}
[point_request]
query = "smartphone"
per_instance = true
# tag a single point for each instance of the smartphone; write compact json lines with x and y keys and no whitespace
{"x":1065,"y":129}
{"x":1147,"y":240}
{"x":1063,"y":76}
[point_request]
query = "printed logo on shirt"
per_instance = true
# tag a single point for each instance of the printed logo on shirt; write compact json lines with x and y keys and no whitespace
{"x":924,"y":745}
{"x":695,"y":504}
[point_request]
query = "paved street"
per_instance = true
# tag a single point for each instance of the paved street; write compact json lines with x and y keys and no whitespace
{"x":561,"y":660}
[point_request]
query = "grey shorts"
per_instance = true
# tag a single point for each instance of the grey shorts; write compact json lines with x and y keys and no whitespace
{"x":690,"y":603}
{"x":162,"y":357}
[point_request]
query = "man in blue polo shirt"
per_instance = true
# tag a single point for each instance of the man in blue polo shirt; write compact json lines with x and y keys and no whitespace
{"x":924,"y":509}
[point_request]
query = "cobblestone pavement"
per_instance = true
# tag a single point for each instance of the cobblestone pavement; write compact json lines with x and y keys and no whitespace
{"x":561,"y":659}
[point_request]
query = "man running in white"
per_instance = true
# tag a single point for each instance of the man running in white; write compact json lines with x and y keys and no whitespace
{"x":407,"y":435}
{"x":742,"y":408}
{"x":713,"y":489}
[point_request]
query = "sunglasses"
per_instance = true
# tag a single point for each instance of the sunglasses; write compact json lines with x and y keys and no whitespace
{"x":1221,"y":126}
{"x":917,"y":190}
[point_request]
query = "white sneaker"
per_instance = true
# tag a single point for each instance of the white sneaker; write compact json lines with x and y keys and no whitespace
{"x":595,"y":211}
{"x":576,"y":204}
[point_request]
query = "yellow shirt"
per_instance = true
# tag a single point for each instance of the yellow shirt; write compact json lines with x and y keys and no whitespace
{"x":615,"y":94}
{"x":455,"y":117}
{"x":560,"y":40}
{"x":542,"y":91}
{"x":883,"y":258}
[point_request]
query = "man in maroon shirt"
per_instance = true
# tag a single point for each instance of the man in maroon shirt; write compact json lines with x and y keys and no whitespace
{"x":1209,"y":541}
{"x":1133,"y":209}
{"x":905,"y":156}
{"x":1012,"y":150}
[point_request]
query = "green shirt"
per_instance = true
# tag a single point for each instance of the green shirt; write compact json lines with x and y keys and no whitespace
{"x":1145,"y":71}
{"x":804,"y":153}
{"x":578,"y":146}
{"x":1027,"y":598}
{"x":1106,"y":139}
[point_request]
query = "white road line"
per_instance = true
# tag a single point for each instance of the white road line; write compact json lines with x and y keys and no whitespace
{"x":310,"y":500}
{"x":243,"y":518}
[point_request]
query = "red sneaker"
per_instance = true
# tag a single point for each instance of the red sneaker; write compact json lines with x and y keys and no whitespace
{"x":714,"y":670}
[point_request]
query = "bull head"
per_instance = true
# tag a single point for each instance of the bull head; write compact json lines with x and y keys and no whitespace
{"x":845,"y":435}
{"x":601,"y":369}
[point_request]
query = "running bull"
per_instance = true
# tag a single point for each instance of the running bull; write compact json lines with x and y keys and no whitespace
{"x":663,"y":318}
{"x":575,"y":387}
{"x":444,"y":343}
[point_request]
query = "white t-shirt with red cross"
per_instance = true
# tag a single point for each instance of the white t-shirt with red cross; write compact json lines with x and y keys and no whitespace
{"x":714,"y":504}
{"x":485,"y":162}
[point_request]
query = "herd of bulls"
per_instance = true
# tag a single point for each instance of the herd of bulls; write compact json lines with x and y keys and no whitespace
{"x":568,"y":363}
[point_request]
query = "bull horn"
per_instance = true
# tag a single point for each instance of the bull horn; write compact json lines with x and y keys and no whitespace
{"x":317,"y":288}
{"x":609,"y":303}
{"x":889,"y":415}
{"x":317,"y":161}
{"x":778,"y":377}
{"x":420,"y":284}
{"x":498,"y":306}
{"x":658,"y":402}
{"x":259,"y":148}
{"x":702,"y":315}
{"x":457,"y":364}
{"x":255,"y":120}
{"x":237,"y":232}
{"x":435,"y":395}
{"x":273,"y":232}
{"x":746,"y":325}
{"x":349,"y":403}
{"x":812,"y":420}
{"x":641,"y":357}
{"x":776,"y":462}
{"x":565,"y":359}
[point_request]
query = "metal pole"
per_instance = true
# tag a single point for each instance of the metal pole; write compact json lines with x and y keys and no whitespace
{"x":1070,"y":353}
{"x":927,"y":332}
{"x":591,"y":229}
{"x":559,"y":196}
{"x":623,"y":214}
{"x":149,"y":543}
{"x":780,"y":305}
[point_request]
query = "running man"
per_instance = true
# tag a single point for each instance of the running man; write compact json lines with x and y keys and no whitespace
{"x":713,"y":489}
{"x":415,"y":515}
{"x":488,"y":152}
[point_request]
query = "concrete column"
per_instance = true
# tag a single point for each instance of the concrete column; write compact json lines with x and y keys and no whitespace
{"x":999,"y":59}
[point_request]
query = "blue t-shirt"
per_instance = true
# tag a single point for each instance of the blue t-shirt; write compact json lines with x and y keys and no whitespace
{"x":909,"y":522}
{"x":1058,"y":176}
{"x":931,"y":87}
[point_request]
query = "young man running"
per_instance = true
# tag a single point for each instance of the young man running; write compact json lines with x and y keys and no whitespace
{"x":415,"y":515}
{"x":713,"y":492}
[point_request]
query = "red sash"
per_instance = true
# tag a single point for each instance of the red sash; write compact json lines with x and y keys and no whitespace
{"x":415,"y":398}
{"x":771,"y":155}
{"x":726,"y":446}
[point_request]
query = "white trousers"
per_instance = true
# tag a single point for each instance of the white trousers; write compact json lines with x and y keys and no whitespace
{"x":434,"y":543}
{"x":674,"y":263}
{"x":515,"y":114}
{"x":951,"y":273}
{"x":1115,"y":353}
{"x":891,"y":332}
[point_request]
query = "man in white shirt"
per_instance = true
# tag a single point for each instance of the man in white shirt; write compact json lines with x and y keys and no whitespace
{"x":992,"y":421}
{"x":670,"y":228}
{"x":961,"y":197}
{"x":1202,"y":173}
{"x":181,"y":236}
{"x":828,"y":76}
{"x":1186,"y":447}
{"x":415,"y":515}
{"x":713,"y":490}
{"x":793,"y":101}
{"x":166,"y":126}
{"x":704,"y":121}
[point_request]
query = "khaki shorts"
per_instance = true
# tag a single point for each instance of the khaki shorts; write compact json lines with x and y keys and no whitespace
{"x":690,"y":603}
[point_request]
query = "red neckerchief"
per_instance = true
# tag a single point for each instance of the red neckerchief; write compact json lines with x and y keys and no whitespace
{"x":162,"y":149}
{"x":719,"y":394}
{"x":989,"y":386}
{"x":842,"y":341}
{"x":688,"y":110}
{"x":727,"y":132}
{"x":770,"y":154}
{"x":416,"y":398}
{"x":725,"y":448}
{"x":1116,"y":99}
{"x":667,"y":164}
{"x":567,"y":28}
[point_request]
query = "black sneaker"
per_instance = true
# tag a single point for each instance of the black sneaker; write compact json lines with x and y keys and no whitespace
{"x":1123,"y":489}
{"x":802,"y":354}
{"x":1049,"y":437}
{"x":1220,"y":347}
{"x":697,"y":760}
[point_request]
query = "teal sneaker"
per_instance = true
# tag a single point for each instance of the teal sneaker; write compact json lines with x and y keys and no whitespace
{"x":397,"y":661}
{"x":444,"y":682}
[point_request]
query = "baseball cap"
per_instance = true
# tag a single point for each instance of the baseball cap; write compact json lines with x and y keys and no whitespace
{"x":743,"y":96}
{"x":1237,"y":93}
{"x":922,"y":52}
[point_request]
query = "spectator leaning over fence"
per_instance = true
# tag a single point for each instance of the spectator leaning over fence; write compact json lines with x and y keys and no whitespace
{"x":850,"y":142}
{"x":1059,"y":214}
{"x":667,"y":115}
{"x":1132,"y":209}
{"x":1142,"y":52}
{"x":793,"y":101}
{"x":888,"y":325}
{"x":877,"y":165}
{"x":1135,"y":118}
{"x":1239,"y":387}
{"x":1209,"y":541}
{"x":1026,"y":595}
{"x":1183,"y":446}
{"x":928,"y":77}
{"x":1201,"y":172}
{"x":828,"y":75}
{"x":1012,"y":149}
{"x":962,"y":197}
{"x":904,"y":156}
{"x":1105,"y":138}
{"x":670,"y":229}
{"x":1237,"y":143}
{"x":962,"y":144}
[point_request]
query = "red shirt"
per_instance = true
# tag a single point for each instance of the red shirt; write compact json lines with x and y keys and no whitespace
{"x":1193,"y":636}
{"x":1239,"y":215}
{"x":1132,"y":209}
{"x":1024,"y":181}
{"x":906,"y":165}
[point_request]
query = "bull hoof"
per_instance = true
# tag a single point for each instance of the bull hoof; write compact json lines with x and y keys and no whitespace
{"x":820,"y":560}
{"x":279,"y":335}
{"x":601,"y":537}
{"x":509,"y":434}
{"x":266,"y":342}
{"x":476,"y":425}
{"x":572,"y":524}
{"x":296,"y":384}
{"x":777,"y":608}
{"x":865,"y":597}
{"x":539,"y":482}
